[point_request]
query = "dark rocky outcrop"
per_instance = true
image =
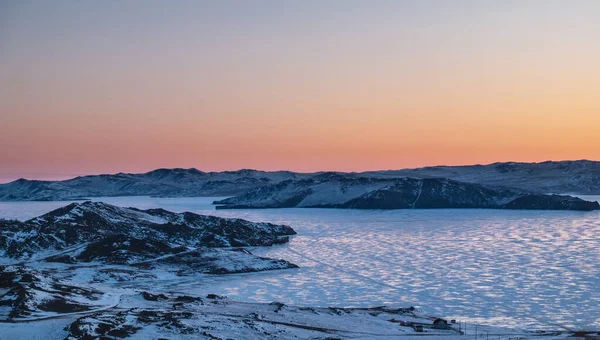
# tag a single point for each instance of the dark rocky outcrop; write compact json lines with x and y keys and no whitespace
{"x":551,"y":202}
{"x":102,"y":326}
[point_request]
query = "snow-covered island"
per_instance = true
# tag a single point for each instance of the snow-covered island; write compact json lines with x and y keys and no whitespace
{"x":333,"y":190}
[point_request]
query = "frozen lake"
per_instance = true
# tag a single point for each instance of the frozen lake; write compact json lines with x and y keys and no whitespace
{"x":537,"y":268}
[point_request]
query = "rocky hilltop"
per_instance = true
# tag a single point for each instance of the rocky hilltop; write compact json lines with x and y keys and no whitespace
{"x":339,"y":191}
{"x":576,"y":177}
{"x":95,"y":232}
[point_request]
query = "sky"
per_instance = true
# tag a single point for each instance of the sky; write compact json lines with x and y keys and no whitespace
{"x":91,"y":87}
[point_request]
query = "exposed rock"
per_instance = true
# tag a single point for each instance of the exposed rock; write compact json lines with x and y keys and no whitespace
{"x":551,"y":202}
{"x":154,"y":297}
{"x":102,"y":325}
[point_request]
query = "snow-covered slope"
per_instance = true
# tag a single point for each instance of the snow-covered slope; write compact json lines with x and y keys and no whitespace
{"x":146,"y":315}
{"x":27,"y":294}
{"x":402,"y":193}
{"x":32,"y":302}
{"x":150,"y":316}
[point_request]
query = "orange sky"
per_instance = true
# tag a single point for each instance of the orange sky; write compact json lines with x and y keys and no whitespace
{"x":347,"y":85}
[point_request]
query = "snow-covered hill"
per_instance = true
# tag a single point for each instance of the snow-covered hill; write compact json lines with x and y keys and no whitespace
{"x":160,"y":231}
{"x":140,"y":242}
{"x":396,"y":193}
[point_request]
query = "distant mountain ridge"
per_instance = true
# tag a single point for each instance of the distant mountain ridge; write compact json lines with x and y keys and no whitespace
{"x":161,"y":182}
{"x":564,"y":177}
